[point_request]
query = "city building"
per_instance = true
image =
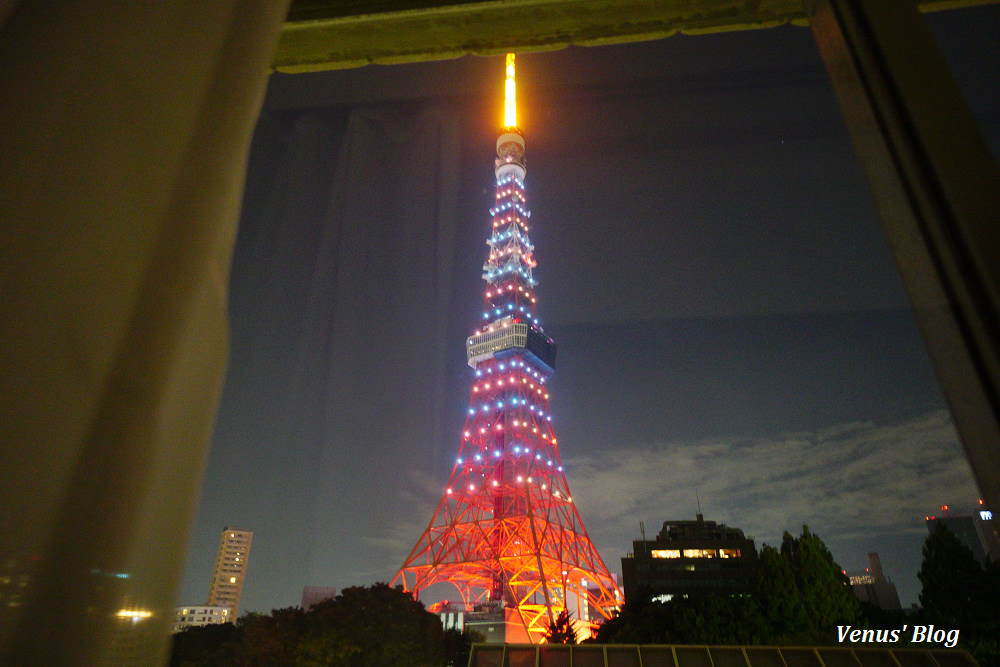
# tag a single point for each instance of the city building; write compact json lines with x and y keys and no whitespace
{"x":977,"y":530}
{"x":506,"y":535}
{"x":690,"y":558}
{"x":313,"y":595}
{"x":873,"y":587}
{"x":193,"y":616}
{"x":230,"y":569}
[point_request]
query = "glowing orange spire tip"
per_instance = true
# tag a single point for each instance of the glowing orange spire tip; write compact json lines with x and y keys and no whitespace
{"x":510,"y":106}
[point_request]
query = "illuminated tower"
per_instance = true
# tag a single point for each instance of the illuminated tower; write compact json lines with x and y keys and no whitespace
{"x":230,"y":569}
{"x":506,"y":535}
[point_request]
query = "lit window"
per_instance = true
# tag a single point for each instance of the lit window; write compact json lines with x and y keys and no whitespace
{"x":665,"y":553}
{"x":729,"y":553}
{"x":699,"y":553}
{"x":232,"y":580}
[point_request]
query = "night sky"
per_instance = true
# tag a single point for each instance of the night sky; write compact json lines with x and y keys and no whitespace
{"x":728,"y":317}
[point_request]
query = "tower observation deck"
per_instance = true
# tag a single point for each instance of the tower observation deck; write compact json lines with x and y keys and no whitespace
{"x":506,"y":535}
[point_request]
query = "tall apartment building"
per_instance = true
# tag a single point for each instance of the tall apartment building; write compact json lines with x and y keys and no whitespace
{"x":230,"y":570}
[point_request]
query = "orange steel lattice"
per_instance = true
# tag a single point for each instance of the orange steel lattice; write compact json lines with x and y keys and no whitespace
{"x":507,"y":534}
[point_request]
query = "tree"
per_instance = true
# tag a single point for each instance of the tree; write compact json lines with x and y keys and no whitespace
{"x":375,"y":626}
{"x":799,"y":596}
{"x":204,"y":646}
{"x":825,"y":593}
{"x":776,"y":591}
{"x":957,"y":592}
{"x":950,"y":576}
{"x":458,"y":645}
{"x":561,"y":630}
{"x":270,"y":640}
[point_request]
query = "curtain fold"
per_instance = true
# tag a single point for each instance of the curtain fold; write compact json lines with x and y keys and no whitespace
{"x":345,"y":271}
{"x":123,"y":147}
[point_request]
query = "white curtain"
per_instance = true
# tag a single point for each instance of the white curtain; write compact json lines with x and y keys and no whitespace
{"x":123,"y":139}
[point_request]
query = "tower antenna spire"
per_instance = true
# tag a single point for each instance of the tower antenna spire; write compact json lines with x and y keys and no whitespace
{"x":510,"y":103}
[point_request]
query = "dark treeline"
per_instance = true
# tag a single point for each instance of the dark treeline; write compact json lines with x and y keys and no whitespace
{"x":375,"y":626}
{"x":799,"y":597}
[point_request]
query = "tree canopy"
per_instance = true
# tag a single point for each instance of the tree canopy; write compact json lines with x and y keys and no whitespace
{"x":799,"y":596}
{"x":824,"y":593}
{"x":957,"y":592}
{"x":950,"y":577}
{"x":374,"y":626}
{"x":561,"y":630}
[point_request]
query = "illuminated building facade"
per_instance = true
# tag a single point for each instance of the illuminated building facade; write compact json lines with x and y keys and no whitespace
{"x":506,"y":535}
{"x":873,"y":587}
{"x":190,"y":617}
{"x":690,"y":558}
{"x":230,"y":570}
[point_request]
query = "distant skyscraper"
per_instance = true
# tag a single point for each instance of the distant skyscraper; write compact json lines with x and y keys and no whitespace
{"x":230,"y":569}
{"x":872,"y":587}
{"x":977,"y":531}
{"x":690,"y":558}
{"x":313,"y":595}
{"x":506,"y":535}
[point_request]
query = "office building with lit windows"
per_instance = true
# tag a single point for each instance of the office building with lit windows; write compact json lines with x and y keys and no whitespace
{"x":977,"y":530}
{"x":690,"y":558}
{"x":230,"y":570}
{"x":873,"y":587}
{"x":190,"y":617}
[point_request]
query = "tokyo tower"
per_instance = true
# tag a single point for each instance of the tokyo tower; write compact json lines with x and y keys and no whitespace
{"x":506,"y":534}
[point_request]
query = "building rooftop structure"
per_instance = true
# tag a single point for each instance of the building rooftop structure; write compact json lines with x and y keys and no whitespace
{"x":690,"y":558}
{"x":198,"y":615}
{"x":873,"y":587}
{"x":976,"y":529}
